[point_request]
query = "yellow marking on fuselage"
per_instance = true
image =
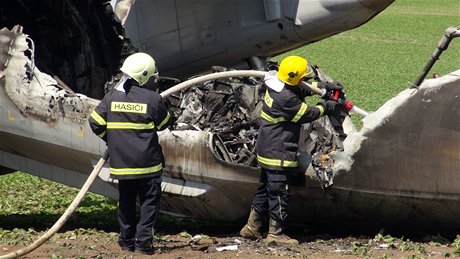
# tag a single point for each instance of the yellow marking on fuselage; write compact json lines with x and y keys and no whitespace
{"x":10,"y":117}
{"x":81,"y":132}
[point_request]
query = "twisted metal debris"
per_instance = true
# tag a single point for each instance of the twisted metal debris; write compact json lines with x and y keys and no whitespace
{"x":228,"y":108}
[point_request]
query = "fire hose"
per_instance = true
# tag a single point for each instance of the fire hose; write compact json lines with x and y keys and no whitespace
{"x":72,"y":207}
{"x":318,"y":91}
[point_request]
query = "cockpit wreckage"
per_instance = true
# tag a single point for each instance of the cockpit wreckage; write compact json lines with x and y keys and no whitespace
{"x":394,"y":172}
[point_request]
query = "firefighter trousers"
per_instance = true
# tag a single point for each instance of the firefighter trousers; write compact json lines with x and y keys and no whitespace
{"x":273,"y":194}
{"x":138,"y":233}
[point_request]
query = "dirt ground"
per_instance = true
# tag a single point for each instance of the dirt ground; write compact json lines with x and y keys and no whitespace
{"x":183,"y":245}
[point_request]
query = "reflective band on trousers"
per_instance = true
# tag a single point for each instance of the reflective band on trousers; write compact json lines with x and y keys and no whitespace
{"x":136,"y":171}
{"x":276,"y":162}
{"x":129,"y":125}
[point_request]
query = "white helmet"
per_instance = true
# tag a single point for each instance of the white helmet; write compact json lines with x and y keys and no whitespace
{"x":140,"y":67}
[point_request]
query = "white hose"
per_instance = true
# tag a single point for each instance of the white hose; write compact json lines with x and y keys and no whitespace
{"x":213,"y":76}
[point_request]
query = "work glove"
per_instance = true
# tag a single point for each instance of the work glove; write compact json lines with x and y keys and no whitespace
{"x":329,"y":106}
{"x":330,"y":86}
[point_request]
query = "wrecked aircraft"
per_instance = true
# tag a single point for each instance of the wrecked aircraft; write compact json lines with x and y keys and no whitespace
{"x":210,"y":168}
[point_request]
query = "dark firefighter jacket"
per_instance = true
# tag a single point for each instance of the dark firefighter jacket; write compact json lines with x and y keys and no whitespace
{"x":129,"y":122}
{"x":282,"y":115}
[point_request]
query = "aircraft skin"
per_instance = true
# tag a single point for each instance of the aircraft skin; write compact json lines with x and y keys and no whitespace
{"x":186,"y":37}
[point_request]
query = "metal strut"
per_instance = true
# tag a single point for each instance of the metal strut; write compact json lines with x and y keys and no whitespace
{"x":449,"y":34}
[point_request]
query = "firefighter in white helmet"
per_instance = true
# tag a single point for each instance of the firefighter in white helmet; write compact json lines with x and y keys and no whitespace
{"x":128,"y":119}
{"x":283,"y":111}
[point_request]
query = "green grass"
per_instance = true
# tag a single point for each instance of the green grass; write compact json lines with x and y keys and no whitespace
{"x":31,"y":201}
{"x":386,"y":55}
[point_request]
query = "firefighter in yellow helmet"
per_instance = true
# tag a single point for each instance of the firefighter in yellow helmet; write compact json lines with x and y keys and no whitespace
{"x":128,"y":119}
{"x":283,"y":111}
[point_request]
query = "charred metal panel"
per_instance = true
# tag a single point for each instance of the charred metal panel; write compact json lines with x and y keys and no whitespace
{"x":411,"y":145}
{"x":42,"y":124}
{"x":35,"y":93}
{"x":79,"y":41}
{"x":190,"y":156}
{"x":405,"y":160}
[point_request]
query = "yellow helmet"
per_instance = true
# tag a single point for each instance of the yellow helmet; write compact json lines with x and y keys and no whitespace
{"x":140,"y":67}
{"x":292,"y":69}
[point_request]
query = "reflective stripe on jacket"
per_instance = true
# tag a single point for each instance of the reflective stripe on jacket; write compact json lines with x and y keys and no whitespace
{"x":282,"y":115}
{"x":129,"y":122}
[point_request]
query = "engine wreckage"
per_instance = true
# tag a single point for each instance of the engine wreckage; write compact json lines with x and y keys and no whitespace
{"x":228,"y":108}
